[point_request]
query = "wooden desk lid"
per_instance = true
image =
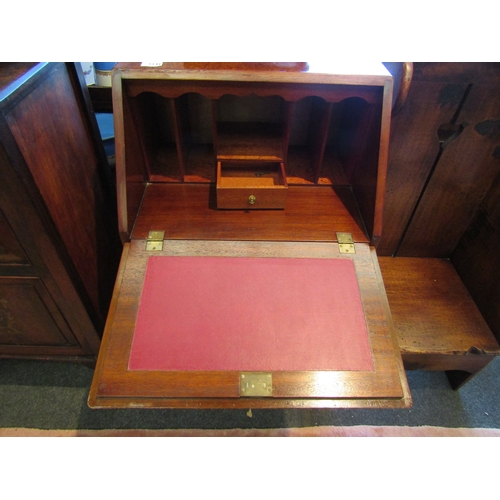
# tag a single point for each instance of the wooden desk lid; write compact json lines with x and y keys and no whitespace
{"x":136,"y":367}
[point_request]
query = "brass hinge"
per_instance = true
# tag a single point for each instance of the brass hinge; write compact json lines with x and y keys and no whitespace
{"x":254,"y":384}
{"x":346,"y":243}
{"x":154,"y":241}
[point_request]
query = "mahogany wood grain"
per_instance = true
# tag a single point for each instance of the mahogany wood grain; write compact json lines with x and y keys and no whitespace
{"x":56,"y":204}
{"x":12,"y":72}
{"x":130,"y":180}
{"x":227,"y":87}
{"x":432,"y":309}
{"x":438,"y":325}
{"x":322,"y":71}
{"x":250,"y":141}
{"x":364,"y":149}
{"x":27,"y":221}
{"x":189,"y":211}
{"x":264,"y":181}
{"x":66,"y":176}
{"x":44,"y":289}
{"x":307,"y":227}
{"x":114,"y":385}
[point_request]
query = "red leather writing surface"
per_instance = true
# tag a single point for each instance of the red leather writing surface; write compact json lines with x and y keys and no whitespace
{"x":250,"y":314}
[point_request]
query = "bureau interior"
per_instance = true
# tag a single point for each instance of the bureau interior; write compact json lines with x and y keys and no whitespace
{"x":329,"y":145}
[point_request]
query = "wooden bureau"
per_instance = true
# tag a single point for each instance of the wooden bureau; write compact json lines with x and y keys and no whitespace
{"x":327,"y":129}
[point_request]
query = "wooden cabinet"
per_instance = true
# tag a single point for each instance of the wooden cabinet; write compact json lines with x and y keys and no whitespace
{"x":59,"y":245}
{"x":319,"y":133}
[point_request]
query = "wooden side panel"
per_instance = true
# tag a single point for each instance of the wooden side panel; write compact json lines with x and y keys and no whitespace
{"x":413,"y":149}
{"x":30,"y":231}
{"x":477,"y":258}
{"x":463,"y":176}
{"x":130,"y":159}
{"x":51,"y":133}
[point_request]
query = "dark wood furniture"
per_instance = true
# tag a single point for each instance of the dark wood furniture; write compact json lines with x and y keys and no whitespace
{"x":441,"y":240}
{"x":59,"y":246}
{"x":328,"y":128}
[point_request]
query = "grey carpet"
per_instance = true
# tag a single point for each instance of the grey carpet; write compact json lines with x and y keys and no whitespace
{"x":53,"y":395}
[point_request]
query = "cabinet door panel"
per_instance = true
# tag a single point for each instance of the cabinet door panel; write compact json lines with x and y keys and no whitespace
{"x":29,"y":317}
{"x":50,"y":133}
{"x":11,"y":251}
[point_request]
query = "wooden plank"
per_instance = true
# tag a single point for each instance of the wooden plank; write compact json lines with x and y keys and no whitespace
{"x":326,"y":71}
{"x":463,"y":176}
{"x":413,"y":150}
{"x":130,"y":162}
{"x":432,"y":310}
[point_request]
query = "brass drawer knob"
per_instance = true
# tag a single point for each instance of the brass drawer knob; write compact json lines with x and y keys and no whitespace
{"x":251,"y":199}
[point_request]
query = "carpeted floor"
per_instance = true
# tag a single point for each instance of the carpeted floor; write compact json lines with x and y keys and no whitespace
{"x":46,"y":399}
{"x":53,"y":396}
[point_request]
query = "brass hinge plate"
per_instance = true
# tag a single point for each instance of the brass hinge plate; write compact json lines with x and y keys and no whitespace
{"x":346,"y":243}
{"x":256,"y":384}
{"x":154,"y":241}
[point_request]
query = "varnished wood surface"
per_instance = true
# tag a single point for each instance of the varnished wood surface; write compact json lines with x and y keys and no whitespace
{"x":64,"y":165}
{"x":43,"y":261}
{"x":237,"y":142}
{"x":456,"y":193}
{"x":55,"y":292}
{"x":432,"y":310}
{"x":114,"y":385}
{"x":413,"y":149}
{"x":188,"y":211}
{"x":140,"y":91}
{"x":326,"y":71}
{"x":13,"y":75}
{"x":238,"y":181}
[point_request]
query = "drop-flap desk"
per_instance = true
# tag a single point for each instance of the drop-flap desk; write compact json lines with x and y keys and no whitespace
{"x":250,"y":202}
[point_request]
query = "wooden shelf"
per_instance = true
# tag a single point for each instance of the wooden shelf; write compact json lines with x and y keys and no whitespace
{"x":439,"y":326}
{"x":302,"y":134}
{"x":250,"y":141}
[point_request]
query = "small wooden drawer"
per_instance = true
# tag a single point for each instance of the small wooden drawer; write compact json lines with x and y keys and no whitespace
{"x":251,"y":185}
